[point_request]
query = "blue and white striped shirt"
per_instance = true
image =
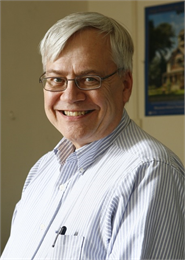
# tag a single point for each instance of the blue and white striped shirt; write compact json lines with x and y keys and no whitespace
{"x":121,"y":198}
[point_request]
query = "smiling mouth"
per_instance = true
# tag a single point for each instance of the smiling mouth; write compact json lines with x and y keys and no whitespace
{"x":76,"y":113}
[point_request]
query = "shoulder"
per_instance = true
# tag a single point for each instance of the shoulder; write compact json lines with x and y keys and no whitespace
{"x":146,"y":149}
{"x":36,"y":169}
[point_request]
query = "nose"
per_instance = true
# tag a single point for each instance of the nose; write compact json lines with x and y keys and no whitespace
{"x":72,"y":93}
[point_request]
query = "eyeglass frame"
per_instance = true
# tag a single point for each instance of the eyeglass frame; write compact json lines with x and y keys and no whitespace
{"x":75,"y":80}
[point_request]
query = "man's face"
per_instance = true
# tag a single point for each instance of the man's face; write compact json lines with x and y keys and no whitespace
{"x":85,"y":116}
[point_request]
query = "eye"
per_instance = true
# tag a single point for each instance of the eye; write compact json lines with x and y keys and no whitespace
{"x":91,"y":80}
{"x":58,"y":80}
{"x":55,"y":81}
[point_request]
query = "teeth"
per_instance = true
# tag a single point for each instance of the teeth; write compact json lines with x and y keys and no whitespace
{"x":76,"y":113}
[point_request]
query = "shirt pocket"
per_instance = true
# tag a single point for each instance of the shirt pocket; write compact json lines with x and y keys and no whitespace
{"x":67,"y":248}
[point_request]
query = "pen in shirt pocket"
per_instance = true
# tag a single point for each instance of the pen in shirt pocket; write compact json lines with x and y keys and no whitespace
{"x":62,"y":231}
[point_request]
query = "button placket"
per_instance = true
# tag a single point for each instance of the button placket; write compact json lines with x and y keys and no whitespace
{"x":62,"y":187}
{"x":42,"y":227}
{"x":82,"y":170}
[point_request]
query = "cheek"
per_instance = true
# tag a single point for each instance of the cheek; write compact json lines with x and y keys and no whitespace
{"x":49,"y":100}
{"x":47,"y":107}
{"x":112,"y":98}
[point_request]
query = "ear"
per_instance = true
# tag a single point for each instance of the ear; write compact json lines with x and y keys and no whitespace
{"x":127,"y":86}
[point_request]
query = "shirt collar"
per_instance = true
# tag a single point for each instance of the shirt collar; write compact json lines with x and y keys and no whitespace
{"x":87,"y":154}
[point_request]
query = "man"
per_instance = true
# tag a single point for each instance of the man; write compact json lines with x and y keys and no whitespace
{"x":108,"y":190}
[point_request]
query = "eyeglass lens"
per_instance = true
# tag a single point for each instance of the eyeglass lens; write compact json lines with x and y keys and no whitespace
{"x":85,"y":82}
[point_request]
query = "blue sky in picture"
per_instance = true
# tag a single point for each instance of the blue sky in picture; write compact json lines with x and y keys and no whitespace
{"x":176,"y":20}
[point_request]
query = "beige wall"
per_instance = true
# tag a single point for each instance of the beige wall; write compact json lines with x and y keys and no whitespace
{"x":26,"y":133}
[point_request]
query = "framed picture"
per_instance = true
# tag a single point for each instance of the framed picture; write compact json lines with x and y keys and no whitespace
{"x":164,"y":59}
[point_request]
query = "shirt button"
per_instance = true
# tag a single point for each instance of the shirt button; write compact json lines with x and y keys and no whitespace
{"x":82,"y":170}
{"x":42,"y":227}
{"x":62,"y":187}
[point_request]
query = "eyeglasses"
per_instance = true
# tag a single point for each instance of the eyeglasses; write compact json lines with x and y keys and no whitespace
{"x":57,"y":84}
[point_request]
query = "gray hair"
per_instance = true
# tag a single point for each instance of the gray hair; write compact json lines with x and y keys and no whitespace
{"x":56,"y":37}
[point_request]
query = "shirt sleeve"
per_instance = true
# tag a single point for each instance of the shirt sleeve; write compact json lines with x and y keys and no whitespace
{"x":151,"y":226}
{"x":31,"y":175}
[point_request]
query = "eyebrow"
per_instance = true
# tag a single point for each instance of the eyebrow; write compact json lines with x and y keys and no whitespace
{"x":85,"y":72}
{"x":54,"y":71}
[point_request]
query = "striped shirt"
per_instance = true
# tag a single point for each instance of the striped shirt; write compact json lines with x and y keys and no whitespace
{"x":120,"y":198}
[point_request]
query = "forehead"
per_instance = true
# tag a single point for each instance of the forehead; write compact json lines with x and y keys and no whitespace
{"x":85,"y":47}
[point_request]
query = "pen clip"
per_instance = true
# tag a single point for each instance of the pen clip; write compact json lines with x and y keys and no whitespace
{"x":61,"y":231}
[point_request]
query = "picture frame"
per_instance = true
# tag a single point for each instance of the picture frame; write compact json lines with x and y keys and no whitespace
{"x":164,"y":59}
